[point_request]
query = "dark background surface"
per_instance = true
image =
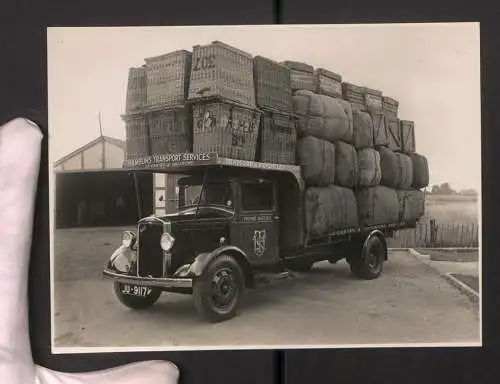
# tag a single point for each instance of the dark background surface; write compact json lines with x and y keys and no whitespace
{"x":23,"y":92}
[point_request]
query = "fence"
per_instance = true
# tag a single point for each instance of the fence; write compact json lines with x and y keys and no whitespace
{"x":431,"y":234}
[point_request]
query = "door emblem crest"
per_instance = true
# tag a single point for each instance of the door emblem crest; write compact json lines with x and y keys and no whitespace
{"x":259,"y":242}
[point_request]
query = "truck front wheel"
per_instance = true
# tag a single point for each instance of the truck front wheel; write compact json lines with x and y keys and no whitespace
{"x":135,"y":296}
{"x":218,"y":290}
{"x":369,"y":262}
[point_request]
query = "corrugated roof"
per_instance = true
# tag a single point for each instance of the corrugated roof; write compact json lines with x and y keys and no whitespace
{"x":111,"y":140}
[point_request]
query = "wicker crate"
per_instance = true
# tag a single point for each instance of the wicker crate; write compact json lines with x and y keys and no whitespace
{"x":373,"y":99}
{"x":227,"y":129}
{"x":136,"y":89}
{"x":170,"y":130}
{"x":408,"y":136}
{"x":137,"y":136}
{"x":277,"y":140}
{"x":328,"y":83}
{"x":168,"y":79}
{"x":273,"y":87}
{"x":301,"y":75}
{"x":220,"y":70}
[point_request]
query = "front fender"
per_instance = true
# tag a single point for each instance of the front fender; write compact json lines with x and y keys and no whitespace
{"x":203,"y":259}
{"x":121,"y":258}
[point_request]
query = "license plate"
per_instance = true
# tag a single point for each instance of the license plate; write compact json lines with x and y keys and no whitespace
{"x":136,"y":290}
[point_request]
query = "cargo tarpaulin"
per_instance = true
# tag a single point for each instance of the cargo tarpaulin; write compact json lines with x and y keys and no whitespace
{"x":316,"y":158}
{"x":362,"y":130}
{"x":329,"y":208}
{"x":378,"y":205}
{"x":322,"y":116}
{"x":346,"y":165}
{"x":369,"y":171}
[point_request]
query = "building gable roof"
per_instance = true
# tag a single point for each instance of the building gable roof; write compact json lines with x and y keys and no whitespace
{"x":111,"y":140}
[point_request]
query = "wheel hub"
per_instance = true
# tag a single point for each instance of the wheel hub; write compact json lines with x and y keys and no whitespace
{"x":223,"y":288}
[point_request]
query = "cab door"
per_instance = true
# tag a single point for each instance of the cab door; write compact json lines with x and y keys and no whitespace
{"x":256,"y":228}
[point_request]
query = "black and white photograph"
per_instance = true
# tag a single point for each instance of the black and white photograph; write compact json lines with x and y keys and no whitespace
{"x":265,"y":186}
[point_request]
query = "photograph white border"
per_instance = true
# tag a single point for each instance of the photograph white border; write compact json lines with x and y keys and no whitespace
{"x":77,"y":350}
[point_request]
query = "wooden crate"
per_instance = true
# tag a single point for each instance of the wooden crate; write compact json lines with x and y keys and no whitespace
{"x":168,"y":79}
{"x":136,"y":89}
{"x":355,"y":95}
{"x":277,"y":141}
{"x":373,"y":99}
{"x":390,"y":106}
{"x":301,"y":75}
{"x":137,"y":136}
{"x":220,"y":70}
{"x":170,"y":130}
{"x":328,"y":83}
{"x":227,"y":129}
{"x":407,"y":136}
{"x":393,"y":133}
{"x":273,"y":87}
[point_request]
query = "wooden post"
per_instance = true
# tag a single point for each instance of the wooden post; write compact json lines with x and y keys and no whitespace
{"x":433,"y":232}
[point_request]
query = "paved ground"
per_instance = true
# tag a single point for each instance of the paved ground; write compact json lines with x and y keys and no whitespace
{"x":409,"y":303}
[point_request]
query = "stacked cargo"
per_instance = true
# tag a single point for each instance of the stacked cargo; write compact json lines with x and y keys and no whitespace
{"x":328,"y":162}
{"x":164,"y":117}
{"x":352,"y":148}
{"x":273,"y":93}
{"x":221,"y":89}
{"x":358,"y":159}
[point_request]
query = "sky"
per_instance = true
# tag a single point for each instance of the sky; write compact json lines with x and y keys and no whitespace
{"x":432,"y":69}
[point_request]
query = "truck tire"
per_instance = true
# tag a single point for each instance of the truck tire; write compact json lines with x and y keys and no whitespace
{"x":137,"y":302}
{"x":369,"y":267}
{"x":217,"y":292}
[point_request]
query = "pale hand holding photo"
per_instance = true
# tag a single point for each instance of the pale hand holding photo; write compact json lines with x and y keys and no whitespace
{"x":20,"y":150}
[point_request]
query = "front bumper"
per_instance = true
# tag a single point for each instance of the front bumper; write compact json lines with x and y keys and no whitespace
{"x":148,"y":281}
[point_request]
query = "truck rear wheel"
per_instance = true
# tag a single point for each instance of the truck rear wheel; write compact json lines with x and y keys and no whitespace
{"x":218,"y":290}
{"x":135,"y":296}
{"x":369,"y":262}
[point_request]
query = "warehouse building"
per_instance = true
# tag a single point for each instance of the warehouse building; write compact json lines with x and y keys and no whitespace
{"x":92,"y":189}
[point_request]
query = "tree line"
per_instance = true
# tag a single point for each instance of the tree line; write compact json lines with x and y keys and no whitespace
{"x":446,"y":189}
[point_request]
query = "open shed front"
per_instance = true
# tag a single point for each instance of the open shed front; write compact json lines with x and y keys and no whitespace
{"x":101,"y":198}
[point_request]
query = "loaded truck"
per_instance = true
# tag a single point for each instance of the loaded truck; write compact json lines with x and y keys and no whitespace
{"x":235,"y":220}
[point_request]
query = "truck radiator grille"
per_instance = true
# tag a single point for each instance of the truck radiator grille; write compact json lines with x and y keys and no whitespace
{"x":150,"y":252}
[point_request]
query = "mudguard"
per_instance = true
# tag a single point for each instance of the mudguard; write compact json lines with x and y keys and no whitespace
{"x":203,"y":259}
{"x":122,"y":254}
{"x":381,"y":236}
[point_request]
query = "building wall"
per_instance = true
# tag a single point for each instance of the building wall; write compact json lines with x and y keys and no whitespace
{"x":73,"y":164}
{"x":114,"y":156}
{"x":93,"y":157}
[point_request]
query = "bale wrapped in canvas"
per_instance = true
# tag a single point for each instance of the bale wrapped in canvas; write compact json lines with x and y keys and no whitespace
{"x":321,"y":116}
{"x":348,"y":112}
{"x":411,"y":204}
{"x":377,"y":205}
{"x":406,"y":171}
{"x":369,"y":172}
{"x":389,"y":164}
{"x":329,"y":208}
{"x":362,"y":129}
{"x":420,"y":171}
{"x":397,"y":169}
{"x":316,"y":158}
{"x":346,"y":165}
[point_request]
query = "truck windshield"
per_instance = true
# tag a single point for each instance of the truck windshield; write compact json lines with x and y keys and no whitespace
{"x":214,"y":193}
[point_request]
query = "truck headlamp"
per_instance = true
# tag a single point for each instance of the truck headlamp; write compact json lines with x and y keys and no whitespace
{"x":128,"y":239}
{"x":167,"y":241}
